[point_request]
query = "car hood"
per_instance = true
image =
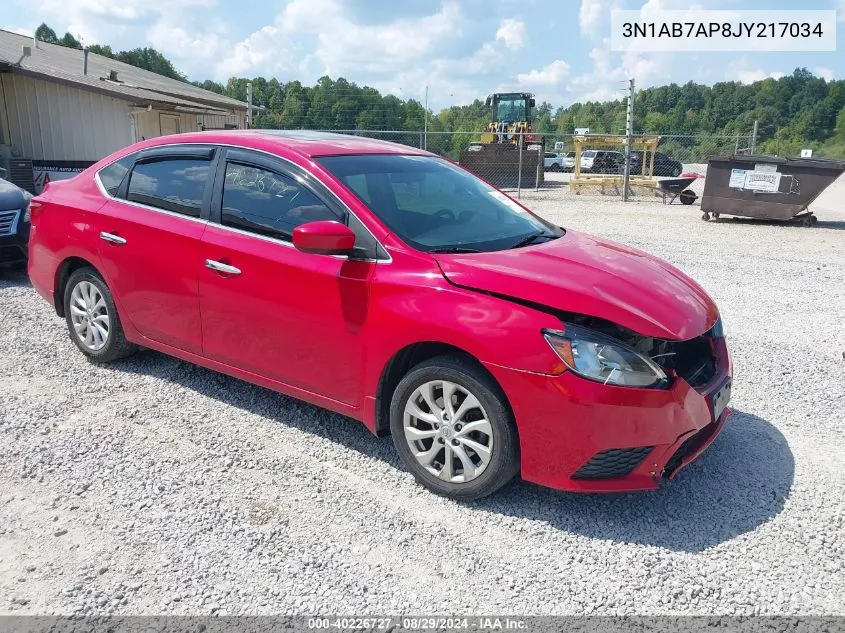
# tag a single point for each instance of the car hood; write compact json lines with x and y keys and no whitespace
{"x":591,"y":276}
{"x":12,"y":196}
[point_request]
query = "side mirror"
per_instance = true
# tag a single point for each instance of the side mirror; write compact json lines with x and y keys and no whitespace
{"x":324,"y":237}
{"x":531,"y":103}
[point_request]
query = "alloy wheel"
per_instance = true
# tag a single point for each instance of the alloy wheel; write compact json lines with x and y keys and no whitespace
{"x":89,"y":315}
{"x":448,"y":431}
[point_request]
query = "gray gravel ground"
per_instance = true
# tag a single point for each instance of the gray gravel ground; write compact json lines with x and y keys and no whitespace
{"x":154,"y":486}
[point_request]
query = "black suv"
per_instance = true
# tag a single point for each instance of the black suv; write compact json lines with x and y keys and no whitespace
{"x":663,"y":165}
{"x":14,"y":223}
{"x":608,"y":162}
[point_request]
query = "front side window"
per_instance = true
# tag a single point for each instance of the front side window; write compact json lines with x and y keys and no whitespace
{"x":113,"y":175}
{"x":267,"y":203}
{"x":175,"y":185}
{"x":435,"y":206}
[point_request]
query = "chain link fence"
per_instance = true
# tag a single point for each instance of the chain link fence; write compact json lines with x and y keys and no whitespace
{"x":535,"y":161}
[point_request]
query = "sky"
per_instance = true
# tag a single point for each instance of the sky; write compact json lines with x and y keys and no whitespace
{"x":459,"y":49}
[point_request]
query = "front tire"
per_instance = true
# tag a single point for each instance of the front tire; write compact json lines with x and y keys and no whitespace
{"x":453,"y":429}
{"x":92,"y":319}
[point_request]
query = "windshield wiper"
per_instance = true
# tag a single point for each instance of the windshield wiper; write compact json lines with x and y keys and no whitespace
{"x":454,"y":249}
{"x":525,"y":241}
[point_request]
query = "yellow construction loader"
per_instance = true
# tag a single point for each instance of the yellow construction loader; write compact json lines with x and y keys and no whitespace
{"x":508,"y":146}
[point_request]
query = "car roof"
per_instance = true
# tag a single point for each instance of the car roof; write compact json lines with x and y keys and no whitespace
{"x":304,"y":142}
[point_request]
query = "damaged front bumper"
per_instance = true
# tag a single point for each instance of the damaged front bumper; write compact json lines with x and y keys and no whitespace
{"x":579,"y":435}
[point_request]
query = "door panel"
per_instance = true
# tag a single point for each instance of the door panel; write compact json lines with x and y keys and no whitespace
{"x":154,"y":270}
{"x":148,"y":236}
{"x":286,"y":315}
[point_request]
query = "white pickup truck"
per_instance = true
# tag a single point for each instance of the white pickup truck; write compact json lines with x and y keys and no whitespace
{"x":559,"y":162}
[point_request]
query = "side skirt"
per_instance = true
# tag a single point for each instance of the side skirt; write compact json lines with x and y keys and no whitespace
{"x":288,"y":390}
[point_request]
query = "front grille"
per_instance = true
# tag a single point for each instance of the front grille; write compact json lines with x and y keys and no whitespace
{"x":692,"y":360}
{"x":9,"y":221}
{"x":612,"y":463}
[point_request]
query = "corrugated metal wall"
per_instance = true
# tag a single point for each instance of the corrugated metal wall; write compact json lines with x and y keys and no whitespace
{"x":51,"y":121}
{"x":48,"y":121}
{"x":220,"y":121}
{"x":148,"y":123}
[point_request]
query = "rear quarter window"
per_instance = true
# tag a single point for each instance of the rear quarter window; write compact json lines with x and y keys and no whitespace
{"x":113,"y":175}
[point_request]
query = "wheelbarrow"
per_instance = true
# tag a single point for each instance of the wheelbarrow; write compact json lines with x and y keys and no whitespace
{"x":672,"y":189}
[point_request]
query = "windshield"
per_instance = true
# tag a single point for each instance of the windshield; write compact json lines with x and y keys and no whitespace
{"x":433,"y":205}
{"x":510,"y":109}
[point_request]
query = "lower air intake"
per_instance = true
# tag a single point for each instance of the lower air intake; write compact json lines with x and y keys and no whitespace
{"x":615,"y":462}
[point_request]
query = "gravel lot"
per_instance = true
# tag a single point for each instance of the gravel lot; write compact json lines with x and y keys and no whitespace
{"x":154,"y":486}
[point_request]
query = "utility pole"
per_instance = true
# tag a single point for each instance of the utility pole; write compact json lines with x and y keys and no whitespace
{"x":629,"y":139}
{"x":754,"y":138}
{"x":425,"y":121}
{"x":249,"y":105}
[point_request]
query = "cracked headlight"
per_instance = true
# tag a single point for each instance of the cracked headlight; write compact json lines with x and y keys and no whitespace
{"x":601,"y":358}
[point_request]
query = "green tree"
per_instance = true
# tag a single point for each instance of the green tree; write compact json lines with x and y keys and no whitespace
{"x":70,"y":41}
{"x":45,"y":34}
{"x":840,"y":126}
{"x":105,"y":51}
{"x":150,"y":59}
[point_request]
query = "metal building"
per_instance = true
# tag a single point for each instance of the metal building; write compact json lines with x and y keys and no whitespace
{"x":62,"y":109}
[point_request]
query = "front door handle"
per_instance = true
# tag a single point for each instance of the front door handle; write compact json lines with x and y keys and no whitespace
{"x":220,"y":267}
{"x":112,"y":238}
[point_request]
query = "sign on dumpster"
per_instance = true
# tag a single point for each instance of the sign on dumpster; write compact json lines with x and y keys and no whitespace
{"x":762,"y":181}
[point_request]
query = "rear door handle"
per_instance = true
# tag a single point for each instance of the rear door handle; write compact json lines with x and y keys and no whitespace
{"x":220,"y":267}
{"x":112,"y":238}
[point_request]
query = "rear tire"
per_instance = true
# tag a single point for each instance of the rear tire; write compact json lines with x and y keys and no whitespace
{"x":427,"y":431}
{"x":92,"y":320}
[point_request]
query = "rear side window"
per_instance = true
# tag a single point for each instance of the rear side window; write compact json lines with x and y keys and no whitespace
{"x":266,"y":203}
{"x":175,"y":185}
{"x":113,"y":175}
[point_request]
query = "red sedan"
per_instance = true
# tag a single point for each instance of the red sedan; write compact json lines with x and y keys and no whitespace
{"x":391,"y":286}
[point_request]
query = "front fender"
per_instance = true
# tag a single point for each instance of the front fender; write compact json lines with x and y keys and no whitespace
{"x":410,"y":306}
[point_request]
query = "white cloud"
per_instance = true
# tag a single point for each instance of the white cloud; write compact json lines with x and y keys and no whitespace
{"x":184,"y":42}
{"x":608,"y":78}
{"x":103,"y":21}
{"x":512,"y":33}
{"x":485,"y":59}
{"x":178,"y":28}
{"x":550,"y":75}
{"x":824,"y":73}
{"x":590,"y":15}
{"x":345,"y":46}
{"x":749,"y":76}
{"x":267,"y":49}
{"x":21,"y":30}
